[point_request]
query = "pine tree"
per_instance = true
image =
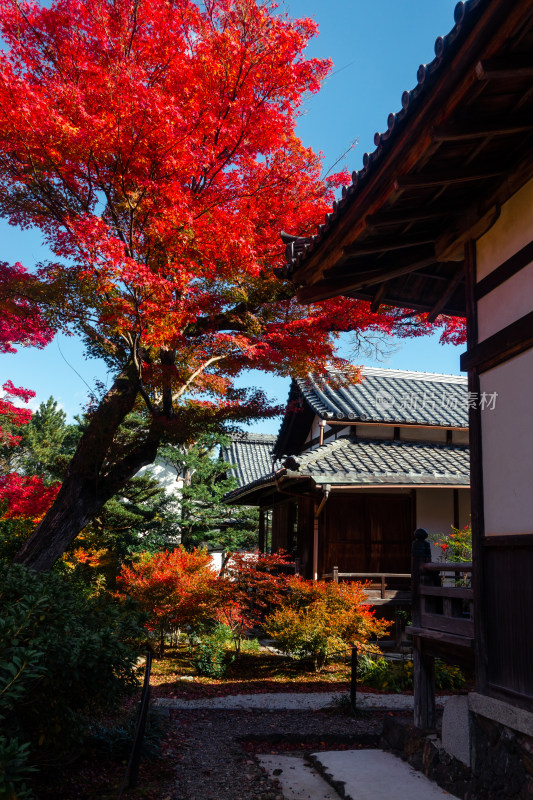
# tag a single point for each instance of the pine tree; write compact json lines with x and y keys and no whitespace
{"x":205,"y":518}
{"x":42,"y":447}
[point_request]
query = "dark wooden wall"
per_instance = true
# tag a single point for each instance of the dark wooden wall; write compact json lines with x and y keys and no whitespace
{"x":368,"y":533}
{"x":357,"y":532}
{"x":508,"y":612}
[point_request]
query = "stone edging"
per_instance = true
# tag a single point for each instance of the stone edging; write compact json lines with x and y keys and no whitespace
{"x":518,"y":719}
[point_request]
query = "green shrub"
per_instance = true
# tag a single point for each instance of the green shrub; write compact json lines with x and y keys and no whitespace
{"x":211,"y":659}
{"x":63,"y":655}
{"x":250,"y":646}
{"x":397,"y":676}
{"x":448,"y":677}
{"x":14,"y":769}
{"x":457,"y":545}
{"x":116,"y":740}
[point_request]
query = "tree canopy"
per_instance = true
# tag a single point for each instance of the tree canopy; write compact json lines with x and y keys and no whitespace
{"x":154,"y":146}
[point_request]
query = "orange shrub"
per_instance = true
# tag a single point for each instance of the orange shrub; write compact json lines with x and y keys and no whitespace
{"x":317,"y":619}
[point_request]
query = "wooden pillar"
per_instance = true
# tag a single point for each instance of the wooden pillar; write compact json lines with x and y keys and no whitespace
{"x":424,"y":686}
{"x":315,"y":548}
{"x":423,"y":664}
{"x":261,"y":542}
{"x":318,"y":510}
{"x":477,"y":503}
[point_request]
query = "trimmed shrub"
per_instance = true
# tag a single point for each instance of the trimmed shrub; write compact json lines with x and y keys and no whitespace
{"x":318,"y":619}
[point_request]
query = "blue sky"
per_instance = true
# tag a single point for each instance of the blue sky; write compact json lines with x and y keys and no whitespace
{"x":376,"y":48}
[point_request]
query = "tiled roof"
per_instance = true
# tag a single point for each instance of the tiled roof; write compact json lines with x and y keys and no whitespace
{"x":250,"y":455}
{"x":373,"y":462}
{"x":364,"y":462}
{"x":389,"y":395}
{"x":466,"y":15}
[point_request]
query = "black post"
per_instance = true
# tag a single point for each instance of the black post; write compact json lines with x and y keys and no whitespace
{"x":423,"y":664}
{"x":353,"y":680}
{"x":135,"y":757}
{"x":420,"y":554}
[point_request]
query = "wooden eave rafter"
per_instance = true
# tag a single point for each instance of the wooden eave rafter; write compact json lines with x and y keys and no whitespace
{"x":358,"y":280}
{"x":417,"y":191}
{"x":379,"y":424}
{"x":475,"y":129}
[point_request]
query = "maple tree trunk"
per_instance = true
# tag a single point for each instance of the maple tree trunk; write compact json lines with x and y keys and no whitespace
{"x":89,"y":482}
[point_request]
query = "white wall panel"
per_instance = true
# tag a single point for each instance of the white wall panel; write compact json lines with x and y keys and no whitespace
{"x":507,"y":442}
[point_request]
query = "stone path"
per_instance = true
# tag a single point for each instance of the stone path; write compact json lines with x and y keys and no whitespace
{"x":212,"y":764}
{"x":288,"y":701}
{"x":297,"y":778}
{"x":357,"y":774}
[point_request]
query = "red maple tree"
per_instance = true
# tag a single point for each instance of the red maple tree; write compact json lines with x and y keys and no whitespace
{"x":154,"y":146}
{"x":175,"y":589}
{"x":252,"y":582}
{"x":21,"y":497}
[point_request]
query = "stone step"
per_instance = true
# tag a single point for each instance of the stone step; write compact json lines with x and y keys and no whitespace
{"x":375,"y":775}
{"x":298,"y":780}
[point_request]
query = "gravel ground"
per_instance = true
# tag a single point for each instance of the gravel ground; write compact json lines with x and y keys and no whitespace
{"x":212,"y":763}
{"x":294,"y":700}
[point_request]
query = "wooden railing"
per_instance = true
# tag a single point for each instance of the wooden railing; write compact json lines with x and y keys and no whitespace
{"x":442,"y":607}
{"x":444,"y":603}
{"x":381,"y":578}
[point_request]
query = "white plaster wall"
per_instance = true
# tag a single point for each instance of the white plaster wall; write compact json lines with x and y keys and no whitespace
{"x":344,"y":431}
{"x":314,"y":430}
{"x":510,"y":232}
{"x":507,"y":447}
{"x":165,"y":474}
{"x":464,"y":507}
{"x":314,"y":433}
{"x":434,"y":512}
{"x":217,"y":557}
{"x":415,"y":434}
{"x":507,"y":303}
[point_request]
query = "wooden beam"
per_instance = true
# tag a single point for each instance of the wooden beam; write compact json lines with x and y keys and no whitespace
{"x":480,"y":130}
{"x":401,"y":243}
{"x":447,"y":295}
{"x":378,"y":297}
{"x":349,"y":266}
{"x":507,"y":343}
{"x":383,"y":219}
{"x":322,"y":290}
{"x":470,"y":225}
{"x":505,"y":68}
{"x":401,"y":302}
{"x":509,"y":540}
{"x":423,"y":180}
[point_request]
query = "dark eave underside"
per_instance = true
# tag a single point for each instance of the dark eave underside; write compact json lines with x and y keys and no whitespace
{"x":460,"y":146}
